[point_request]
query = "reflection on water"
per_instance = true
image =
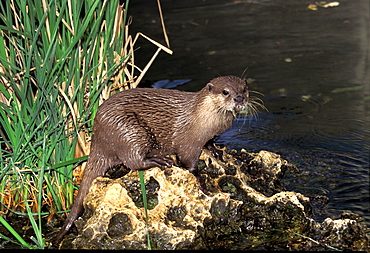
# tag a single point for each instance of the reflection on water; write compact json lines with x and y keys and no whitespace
{"x":312,"y":67}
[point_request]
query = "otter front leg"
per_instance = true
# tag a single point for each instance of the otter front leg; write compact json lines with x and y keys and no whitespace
{"x":202,"y":183}
{"x":216,"y":153}
{"x":191,"y":164}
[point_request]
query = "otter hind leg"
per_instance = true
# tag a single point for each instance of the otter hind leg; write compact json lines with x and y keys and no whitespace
{"x":137,"y":144}
{"x":144,"y":163}
{"x":135,"y":153}
{"x":160,"y":162}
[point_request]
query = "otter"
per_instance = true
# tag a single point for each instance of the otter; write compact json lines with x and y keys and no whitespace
{"x":140,"y":127}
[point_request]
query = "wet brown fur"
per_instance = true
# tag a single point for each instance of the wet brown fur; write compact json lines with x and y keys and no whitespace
{"x":139,"y":127}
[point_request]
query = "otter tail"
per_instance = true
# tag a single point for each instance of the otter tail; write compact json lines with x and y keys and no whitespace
{"x":77,"y":207}
{"x":76,"y":211}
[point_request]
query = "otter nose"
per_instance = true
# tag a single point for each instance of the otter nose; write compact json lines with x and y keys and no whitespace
{"x":239,"y":99}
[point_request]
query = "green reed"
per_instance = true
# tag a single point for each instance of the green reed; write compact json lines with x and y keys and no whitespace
{"x":145,"y":202}
{"x":59,"y":59}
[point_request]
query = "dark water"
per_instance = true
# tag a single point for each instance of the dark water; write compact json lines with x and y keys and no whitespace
{"x":312,"y":67}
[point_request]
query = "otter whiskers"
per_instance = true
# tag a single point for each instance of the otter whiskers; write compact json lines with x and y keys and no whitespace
{"x":251,"y":108}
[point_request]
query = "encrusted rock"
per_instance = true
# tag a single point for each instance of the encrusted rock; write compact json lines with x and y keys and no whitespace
{"x":246,"y":208}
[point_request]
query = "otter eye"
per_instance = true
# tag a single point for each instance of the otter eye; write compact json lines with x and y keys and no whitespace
{"x":225,"y":92}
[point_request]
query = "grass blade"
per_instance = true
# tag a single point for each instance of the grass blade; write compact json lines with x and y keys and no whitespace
{"x":14,"y":233}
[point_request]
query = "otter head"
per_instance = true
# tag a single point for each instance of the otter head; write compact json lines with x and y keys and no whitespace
{"x":229,"y":93}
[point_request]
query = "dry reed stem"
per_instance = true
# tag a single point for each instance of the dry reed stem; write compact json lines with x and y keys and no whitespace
{"x":45,"y":7}
{"x":160,"y":47}
{"x":162,"y":23}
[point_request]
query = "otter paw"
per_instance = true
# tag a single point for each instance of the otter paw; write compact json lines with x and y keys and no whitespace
{"x":161,"y":162}
{"x":216,"y":153}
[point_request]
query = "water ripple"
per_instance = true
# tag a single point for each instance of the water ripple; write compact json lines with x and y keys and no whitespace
{"x":290,"y":106}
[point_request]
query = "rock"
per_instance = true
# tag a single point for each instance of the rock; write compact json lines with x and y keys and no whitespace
{"x":246,"y":208}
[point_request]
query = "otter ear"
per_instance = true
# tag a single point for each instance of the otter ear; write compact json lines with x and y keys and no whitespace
{"x":210,"y":86}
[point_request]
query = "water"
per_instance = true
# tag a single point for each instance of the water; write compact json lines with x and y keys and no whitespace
{"x":311,"y":66}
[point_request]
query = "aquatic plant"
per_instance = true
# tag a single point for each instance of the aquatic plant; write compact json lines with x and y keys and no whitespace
{"x":59,"y":59}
